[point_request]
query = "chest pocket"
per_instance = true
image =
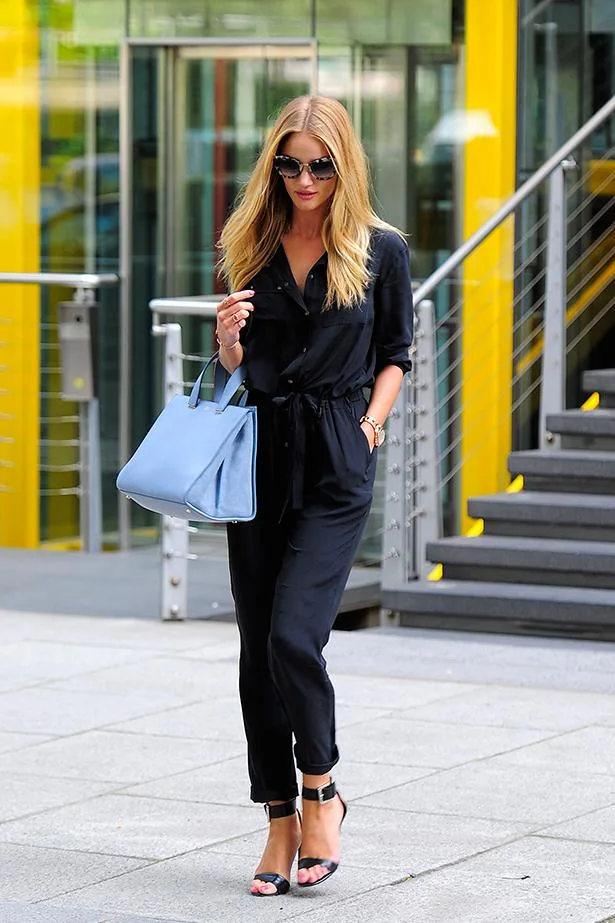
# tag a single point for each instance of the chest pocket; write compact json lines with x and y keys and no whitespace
{"x":346,"y":317}
{"x":269,"y":305}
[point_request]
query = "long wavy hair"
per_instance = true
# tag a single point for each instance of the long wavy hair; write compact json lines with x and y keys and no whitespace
{"x":263,"y":210}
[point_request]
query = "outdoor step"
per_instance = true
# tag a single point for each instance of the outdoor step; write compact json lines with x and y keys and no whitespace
{"x":601,"y":380}
{"x":594,"y":423}
{"x":576,"y":470}
{"x":512,"y":608}
{"x":547,"y":515}
{"x":586,"y":509}
{"x":527,"y":560}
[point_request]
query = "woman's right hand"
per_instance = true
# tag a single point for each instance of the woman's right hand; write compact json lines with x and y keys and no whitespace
{"x":231,"y":316}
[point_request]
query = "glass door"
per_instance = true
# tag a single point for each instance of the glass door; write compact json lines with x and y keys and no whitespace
{"x":194,"y":120}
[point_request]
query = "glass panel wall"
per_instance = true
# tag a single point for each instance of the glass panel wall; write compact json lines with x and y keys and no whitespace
{"x":79,"y":220}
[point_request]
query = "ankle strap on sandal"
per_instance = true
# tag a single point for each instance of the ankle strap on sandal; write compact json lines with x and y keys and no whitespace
{"x":321,"y":794}
{"x":286,"y":809}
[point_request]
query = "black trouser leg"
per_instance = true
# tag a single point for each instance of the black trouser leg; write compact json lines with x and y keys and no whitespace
{"x":255,"y":550}
{"x":319,"y":554}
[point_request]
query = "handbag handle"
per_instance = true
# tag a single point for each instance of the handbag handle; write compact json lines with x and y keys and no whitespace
{"x":222,"y":396}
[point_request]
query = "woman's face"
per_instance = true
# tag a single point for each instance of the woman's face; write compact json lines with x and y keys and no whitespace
{"x":307,"y":194}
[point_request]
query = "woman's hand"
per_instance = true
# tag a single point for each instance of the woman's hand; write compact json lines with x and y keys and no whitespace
{"x":370,"y":435}
{"x":231,"y":316}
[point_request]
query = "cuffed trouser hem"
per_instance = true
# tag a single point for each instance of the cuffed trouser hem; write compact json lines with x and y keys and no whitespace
{"x":317,"y":769}
{"x":262,"y":795}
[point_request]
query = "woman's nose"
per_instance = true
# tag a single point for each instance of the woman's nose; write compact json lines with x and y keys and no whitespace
{"x":305,"y":177}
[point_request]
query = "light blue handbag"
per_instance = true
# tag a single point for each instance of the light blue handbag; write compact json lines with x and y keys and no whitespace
{"x":198,"y":461}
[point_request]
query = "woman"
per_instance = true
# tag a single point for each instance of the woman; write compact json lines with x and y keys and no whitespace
{"x":320,"y":313}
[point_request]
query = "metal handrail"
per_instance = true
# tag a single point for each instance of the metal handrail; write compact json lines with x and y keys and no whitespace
{"x":74,"y":279}
{"x":198,"y":305}
{"x":514,"y":201}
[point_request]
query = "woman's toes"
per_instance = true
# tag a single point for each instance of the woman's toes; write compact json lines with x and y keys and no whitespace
{"x":263,"y":887}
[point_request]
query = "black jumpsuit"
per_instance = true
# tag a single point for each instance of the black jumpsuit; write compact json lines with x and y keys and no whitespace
{"x":308,"y":371}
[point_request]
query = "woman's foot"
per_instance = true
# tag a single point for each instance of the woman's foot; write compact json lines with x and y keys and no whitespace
{"x":322,"y":819}
{"x":282,"y":846}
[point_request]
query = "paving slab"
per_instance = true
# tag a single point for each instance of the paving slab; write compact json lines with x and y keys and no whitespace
{"x":58,"y":712}
{"x":469,"y":657}
{"x":225,"y":782}
{"x":419,"y":743}
{"x":494,"y":789}
{"x":215,"y":719}
{"x":22,"y":795}
{"x":13,"y":912}
{"x":136,"y":827}
{"x":372,"y":691}
{"x":10,"y":741}
{"x":402,"y":843}
{"x":108,"y":756}
{"x":519,"y":708}
{"x":531,"y":881}
{"x":596,"y":827}
{"x":208,"y":887}
{"x":183,"y":681}
{"x":37,"y":661}
{"x":590,"y":750}
{"x":151,"y":635}
{"x":30,"y":873}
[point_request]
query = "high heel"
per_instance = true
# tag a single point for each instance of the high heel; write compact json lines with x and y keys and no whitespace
{"x":282,"y":885}
{"x":322,"y":794}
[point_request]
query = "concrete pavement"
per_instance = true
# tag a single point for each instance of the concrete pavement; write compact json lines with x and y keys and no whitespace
{"x":480,"y":772}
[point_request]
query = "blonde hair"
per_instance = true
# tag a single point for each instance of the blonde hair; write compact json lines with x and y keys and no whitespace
{"x":263,"y":210}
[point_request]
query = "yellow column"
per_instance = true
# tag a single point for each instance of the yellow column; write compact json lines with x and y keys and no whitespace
{"x":19,"y":252}
{"x":489,"y":178}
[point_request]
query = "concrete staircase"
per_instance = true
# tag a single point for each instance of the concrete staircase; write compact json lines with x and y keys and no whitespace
{"x":545,"y":563}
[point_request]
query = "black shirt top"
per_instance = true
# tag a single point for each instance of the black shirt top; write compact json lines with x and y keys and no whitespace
{"x":292,"y":345}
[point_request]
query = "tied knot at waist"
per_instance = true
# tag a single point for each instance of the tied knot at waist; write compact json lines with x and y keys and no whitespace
{"x":295,"y":408}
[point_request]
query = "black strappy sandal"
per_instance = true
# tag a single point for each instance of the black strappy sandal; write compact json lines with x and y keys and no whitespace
{"x":322,"y":794}
{"x":282,"y":885}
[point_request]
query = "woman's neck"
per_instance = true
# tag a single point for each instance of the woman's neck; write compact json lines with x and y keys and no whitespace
{"x":308,"y":226}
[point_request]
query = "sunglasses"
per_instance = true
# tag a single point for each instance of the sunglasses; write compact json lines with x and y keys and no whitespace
{"x":290,"y":168}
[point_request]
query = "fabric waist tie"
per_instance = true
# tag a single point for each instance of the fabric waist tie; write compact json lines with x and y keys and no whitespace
{"x":296,"y":406}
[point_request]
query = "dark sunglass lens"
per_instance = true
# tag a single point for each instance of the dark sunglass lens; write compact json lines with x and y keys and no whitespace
{"x":323,"y":168}
{"x":287,"y":167}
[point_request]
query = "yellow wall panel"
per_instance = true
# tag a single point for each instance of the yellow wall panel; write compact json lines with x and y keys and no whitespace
{"x":489,"y":179}
{"x":19,"y":252}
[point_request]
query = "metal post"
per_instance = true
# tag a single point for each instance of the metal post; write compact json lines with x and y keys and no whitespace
{"x":90,"y":473}
{"x":553,"y":389}
{"x":90,"y":506}
{"x":427,"y":471}
{"x":394,"y":552}
{"x":174,"y":539}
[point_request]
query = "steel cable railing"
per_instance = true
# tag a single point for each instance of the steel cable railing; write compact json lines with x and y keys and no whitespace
{"x":522,"y":280}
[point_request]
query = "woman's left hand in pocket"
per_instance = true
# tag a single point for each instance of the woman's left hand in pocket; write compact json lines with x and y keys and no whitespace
{"x":370,"y":435}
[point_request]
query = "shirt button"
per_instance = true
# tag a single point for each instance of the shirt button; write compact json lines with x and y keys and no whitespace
{"x":304,"y":350}
{"x":291,"y":381}
{"x":311,"y":275}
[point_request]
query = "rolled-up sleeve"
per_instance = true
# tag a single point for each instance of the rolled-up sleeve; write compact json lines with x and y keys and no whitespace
{"x":393,"y":306}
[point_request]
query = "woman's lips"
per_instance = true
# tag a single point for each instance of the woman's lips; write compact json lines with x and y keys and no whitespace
{"x":306,"y":195}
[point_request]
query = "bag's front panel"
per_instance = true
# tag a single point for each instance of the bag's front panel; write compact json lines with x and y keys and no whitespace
{"x":228,"y":492}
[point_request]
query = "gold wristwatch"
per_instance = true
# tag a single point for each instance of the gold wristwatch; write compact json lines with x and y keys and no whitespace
{"x":377,"y":428}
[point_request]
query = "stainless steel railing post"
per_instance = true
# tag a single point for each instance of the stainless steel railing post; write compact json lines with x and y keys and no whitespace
{"x":174,"y":532}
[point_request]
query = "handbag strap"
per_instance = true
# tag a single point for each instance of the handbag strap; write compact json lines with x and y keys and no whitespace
{"x":222,"y":395}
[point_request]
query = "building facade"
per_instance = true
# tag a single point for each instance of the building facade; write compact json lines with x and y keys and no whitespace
{"x":128,"y":126}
